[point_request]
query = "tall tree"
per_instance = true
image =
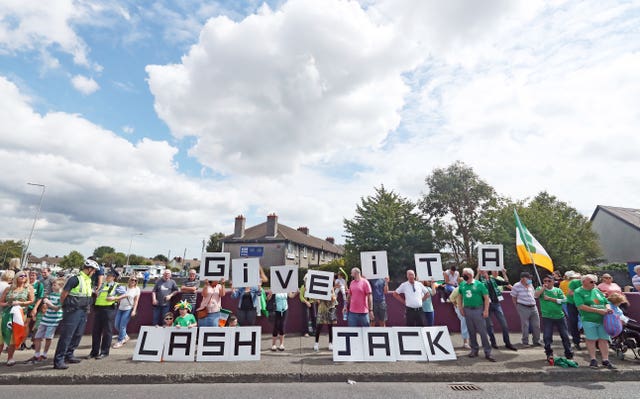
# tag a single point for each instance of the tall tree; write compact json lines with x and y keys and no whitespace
{"x":455,"y":201}
{"x":114,"y":258}
{"x":161,"y":258}
{"x":100,"y":252}
{"x":389,"y":222}
{"x":563,"y":232}
{"x":214,"y":244}
{"x":9,"y":249}
{"x":72,"y":261}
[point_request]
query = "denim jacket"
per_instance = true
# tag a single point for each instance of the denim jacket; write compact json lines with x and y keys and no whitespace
{"x":255,"y":296}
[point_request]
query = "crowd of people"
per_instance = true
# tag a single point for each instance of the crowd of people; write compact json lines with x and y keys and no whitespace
{"x":573,"y":306}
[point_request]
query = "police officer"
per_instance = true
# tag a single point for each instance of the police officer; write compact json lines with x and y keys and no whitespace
{"x":104,"y":316}
{"x":75,"y":299}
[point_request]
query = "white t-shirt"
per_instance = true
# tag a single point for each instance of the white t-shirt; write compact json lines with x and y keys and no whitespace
{"x":452,"y":278}
{"x":412,"y":293}
{"x":127,"y":302}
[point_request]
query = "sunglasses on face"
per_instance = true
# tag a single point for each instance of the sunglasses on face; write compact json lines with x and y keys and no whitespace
{"x":548,"y":281}
{"x":168,"y":318}
{"x":21,"y":276}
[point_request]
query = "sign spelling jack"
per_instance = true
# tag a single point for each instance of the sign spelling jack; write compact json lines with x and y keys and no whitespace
{"x":215,"y":344}
{"x":318,"y":285}
{"x":429,"y":267}
{"x":214,"y":266}
{"x":245,"y":272}
{"x":390,"y":344}
{"x":490,"y":257}
{"x":374,"y":264}
{"x":284,"y":279}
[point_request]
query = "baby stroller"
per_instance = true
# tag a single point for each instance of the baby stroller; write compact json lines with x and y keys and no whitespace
{"x":627,"y":340}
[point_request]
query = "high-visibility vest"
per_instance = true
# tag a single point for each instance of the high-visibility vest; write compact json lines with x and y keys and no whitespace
{"x":83,"y":289}
{"x":105,"y":291}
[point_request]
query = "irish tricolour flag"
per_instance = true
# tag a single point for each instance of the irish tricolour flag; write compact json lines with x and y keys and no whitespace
{"x":529,"y":249}
{"x":13,"y":326}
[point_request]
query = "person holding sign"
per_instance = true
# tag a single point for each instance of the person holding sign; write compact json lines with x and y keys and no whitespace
{"x":427,"y":303}
{"x":327,"y":316}
{"x":379,"y":288}
{"x":359,"y":303}
{"x":473,"y":303}
{"x":212,"y":295}
{"x":495,"y":307}
{"x":248,"y":304}
{"x":414,"y":294}
{"x":189,"y":289}
{"x":279,"y":317}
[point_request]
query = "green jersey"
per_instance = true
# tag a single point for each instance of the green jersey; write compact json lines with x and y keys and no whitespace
{"x":473,"y":294}
{"x":593,"y":298}
{"x":573,"y":285}
{"x":185,"y":321}
{"x":551,"y":309}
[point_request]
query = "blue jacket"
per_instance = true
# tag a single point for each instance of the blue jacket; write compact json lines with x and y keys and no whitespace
{"x":255,"y":296}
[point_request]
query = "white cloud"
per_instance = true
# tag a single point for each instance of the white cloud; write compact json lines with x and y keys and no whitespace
{"x":284,"y":88}
{"x":128,"y":129}
{"x":84,"y":84}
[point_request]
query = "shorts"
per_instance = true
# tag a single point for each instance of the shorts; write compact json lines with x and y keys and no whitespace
{"x":594,"y":331}
{"x":46,"y":332}
{"x":380,"y":311}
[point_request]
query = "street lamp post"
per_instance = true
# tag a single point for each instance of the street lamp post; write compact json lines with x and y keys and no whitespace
{"x":131,"y":242}
{"x":25,"y":251}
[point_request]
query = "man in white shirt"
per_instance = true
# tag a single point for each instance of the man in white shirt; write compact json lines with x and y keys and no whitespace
{"x":414,"y":294}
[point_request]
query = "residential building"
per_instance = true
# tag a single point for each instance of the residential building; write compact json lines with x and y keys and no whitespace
{"x":618,"y":230}
{"x":277,"y":244}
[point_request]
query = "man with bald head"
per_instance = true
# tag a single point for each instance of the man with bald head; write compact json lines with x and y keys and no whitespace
{"x":414,"y":294}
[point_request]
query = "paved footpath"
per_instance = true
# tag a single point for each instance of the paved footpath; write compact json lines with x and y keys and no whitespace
{"x":299,"y":363}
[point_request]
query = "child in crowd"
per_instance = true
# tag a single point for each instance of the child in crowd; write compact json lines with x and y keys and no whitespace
{"x":185,"y":319}
{"x":167,"y":320}
{"x":49,"y":319}
{"x":232,"y":321}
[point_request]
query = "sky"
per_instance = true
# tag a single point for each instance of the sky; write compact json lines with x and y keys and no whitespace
{"x":171,"y":117}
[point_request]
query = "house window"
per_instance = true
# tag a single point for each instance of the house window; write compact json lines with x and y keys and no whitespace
{"x":290,"y":251}
{"x":304,"y":252}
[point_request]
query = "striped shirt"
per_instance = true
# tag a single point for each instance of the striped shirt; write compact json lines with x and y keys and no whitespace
{"x":52,"y":317}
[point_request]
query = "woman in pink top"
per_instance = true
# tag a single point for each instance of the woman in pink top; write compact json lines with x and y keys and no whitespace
{"x":607,"y":286}
{"x":212,"y":294}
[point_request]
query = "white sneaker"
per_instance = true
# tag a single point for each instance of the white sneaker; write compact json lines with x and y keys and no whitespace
{"x":330,"y":346}
{"x":274,"y":348}
{"x":316,"y":347}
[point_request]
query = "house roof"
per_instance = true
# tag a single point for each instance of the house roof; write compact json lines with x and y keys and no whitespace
{"x":629,"y":216}
{"x":258,"y":233}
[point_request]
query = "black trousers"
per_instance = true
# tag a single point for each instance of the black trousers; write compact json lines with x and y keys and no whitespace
{"x":102,"y":333}
{"x":414,"y":317}
{"x":71,"y":330}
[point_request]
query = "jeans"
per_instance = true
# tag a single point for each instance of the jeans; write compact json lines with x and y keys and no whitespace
{"x":572,"y":321}
{"x":358,"y":319}
{"x":158,"y":314}
{"x":211,"y":320}
{"x":102,"y":333}
{"x":246,"y":317}
{"x":122,"y":320}
{"x":547,"y":335}
{"x":71,"y":330}
{"x":529,"y":318}
{"x":477,"y":324}
{"x":496,"y":310}
{"x":464,"y":331}
{"x":428,"y":318}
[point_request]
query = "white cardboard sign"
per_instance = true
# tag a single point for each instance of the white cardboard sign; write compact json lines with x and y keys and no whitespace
{"x":490,"y":257}
{"x":214,"y":266}
{"x":149,"y":345}
{"x":429,"y":267}
{"x":284,"y":279}
{"x":374,"y":264}
{"x":179,"y":344}
{"x":245,"y":272}
{"x":319,"y":285}
{"x":390,"y":344}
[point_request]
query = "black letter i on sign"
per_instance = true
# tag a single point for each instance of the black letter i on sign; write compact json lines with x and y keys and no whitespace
{"x":245,"y":270}
{"x":374,"y":265}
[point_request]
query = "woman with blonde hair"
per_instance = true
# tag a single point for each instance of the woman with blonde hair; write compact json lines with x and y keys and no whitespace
{"x":19,"y":294}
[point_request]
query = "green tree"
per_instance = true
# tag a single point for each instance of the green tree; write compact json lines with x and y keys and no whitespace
{"x":100,"y":252}
{"x":214,"y":244}
{"x":454,"y":203}
{"x":564,"y":233}
{"x":387,"y":222}
{"x":161,"y":258}
{"x":114,"y":258}
{"x":138,"y":260}
{"x":72,"y":261}
{"x":9,"y":249}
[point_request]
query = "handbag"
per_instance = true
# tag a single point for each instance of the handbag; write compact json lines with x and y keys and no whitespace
{"x":202,"y":313}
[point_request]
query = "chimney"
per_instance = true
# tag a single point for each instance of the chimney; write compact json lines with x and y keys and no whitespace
{"x":238,"y":231}
{"x":331,"y":240}
{"x":272,"y":225}
{"x":304,"y":230}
